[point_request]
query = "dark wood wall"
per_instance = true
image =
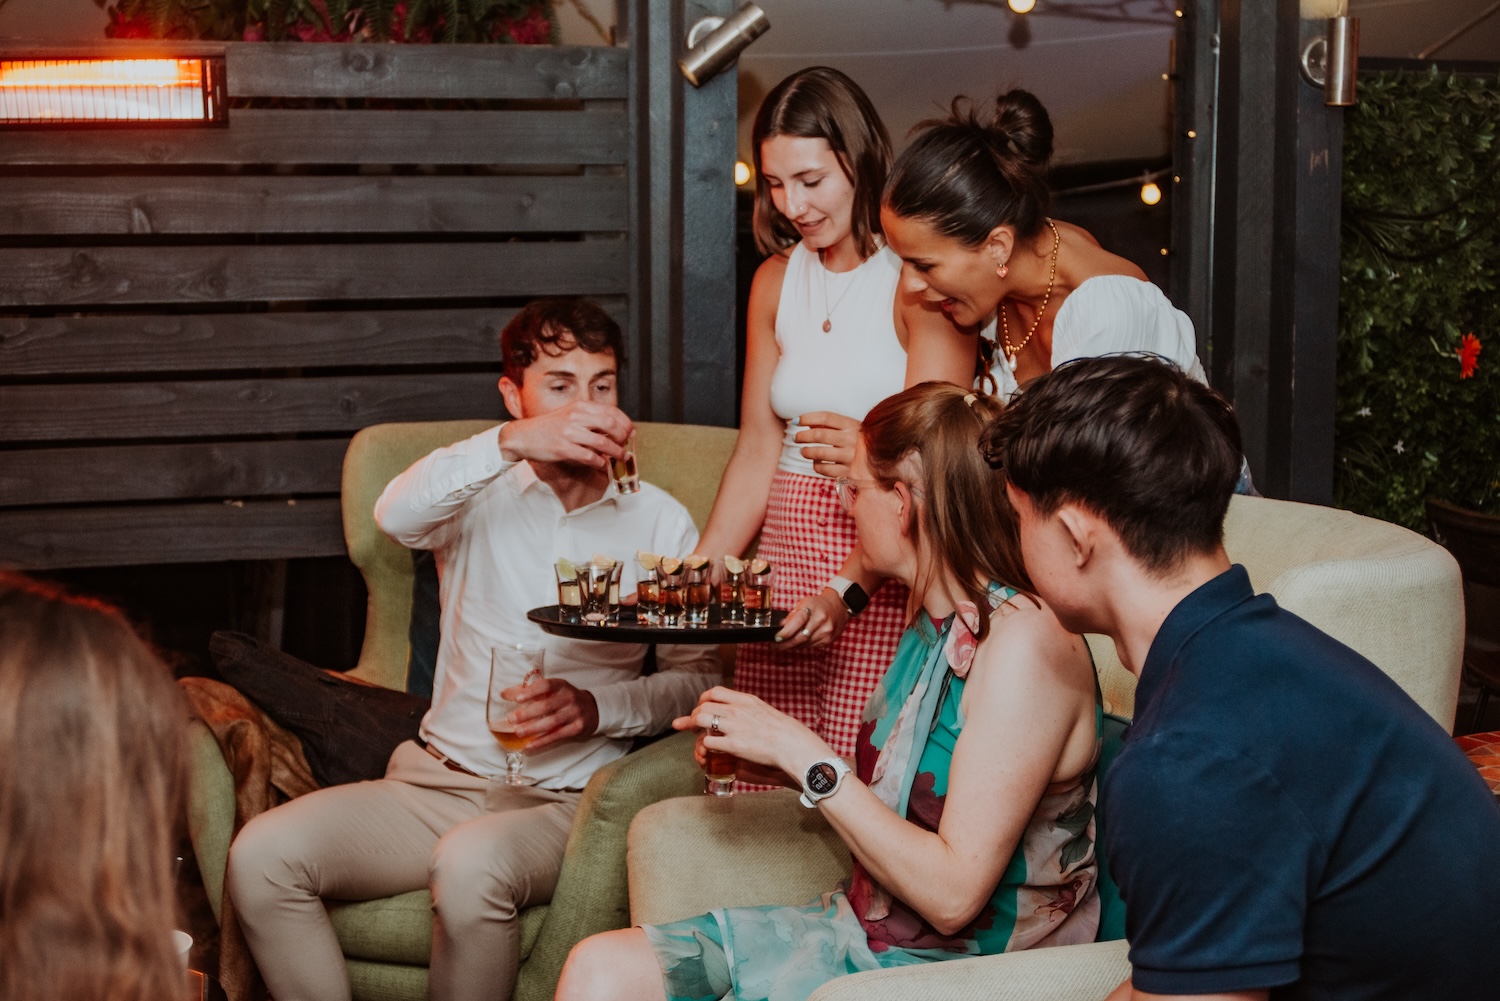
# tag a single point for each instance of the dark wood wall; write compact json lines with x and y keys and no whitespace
{"x":193,"y":321}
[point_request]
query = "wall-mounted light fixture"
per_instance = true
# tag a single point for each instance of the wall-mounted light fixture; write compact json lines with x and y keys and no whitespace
{"x":1332,"y":61}
{"x":46,"y":92}
{"x":715,"y":42}
{"x":1021,"y":6}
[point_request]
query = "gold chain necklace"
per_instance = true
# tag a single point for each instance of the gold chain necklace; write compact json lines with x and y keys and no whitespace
{"x":1012,"y":350}
{"x":828,"y":310}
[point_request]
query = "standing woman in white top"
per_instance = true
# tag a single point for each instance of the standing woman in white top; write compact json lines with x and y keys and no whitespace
{"x":829,"y":335}
{"x":966,"y":209}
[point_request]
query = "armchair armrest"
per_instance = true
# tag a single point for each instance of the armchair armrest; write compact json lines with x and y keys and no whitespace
{"x":1063,"y":973}
{"x":688,"y":856}
{"x":591,"y":889}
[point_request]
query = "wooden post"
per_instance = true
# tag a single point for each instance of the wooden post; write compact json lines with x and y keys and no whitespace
{"x":683,"y":265}
{"x":1273,"y":238}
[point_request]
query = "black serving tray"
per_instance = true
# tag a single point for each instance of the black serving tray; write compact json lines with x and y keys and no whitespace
{"x":631,"y":630}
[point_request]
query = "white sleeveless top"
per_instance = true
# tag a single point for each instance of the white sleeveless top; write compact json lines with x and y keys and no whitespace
{"x":853,"y":366}
{"x":1112,"y":314}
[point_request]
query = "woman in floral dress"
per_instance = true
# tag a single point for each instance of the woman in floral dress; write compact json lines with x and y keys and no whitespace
{"x":970,"y":810}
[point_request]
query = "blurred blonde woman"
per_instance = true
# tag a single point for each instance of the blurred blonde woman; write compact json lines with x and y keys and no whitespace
{"x":92,"y":740}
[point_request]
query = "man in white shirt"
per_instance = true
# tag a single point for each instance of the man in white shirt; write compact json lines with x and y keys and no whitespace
{"x":497,"y":510}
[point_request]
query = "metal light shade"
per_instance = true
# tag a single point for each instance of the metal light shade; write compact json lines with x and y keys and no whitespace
{"x":42,"y":92}
{"x":1332,"y":62}
{"x":726,"y":39}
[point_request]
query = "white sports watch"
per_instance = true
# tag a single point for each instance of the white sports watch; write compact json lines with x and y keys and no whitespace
{"x":823,"y":779}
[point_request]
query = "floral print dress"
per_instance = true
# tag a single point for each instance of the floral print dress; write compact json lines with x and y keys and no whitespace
{"x":1046,"y":896}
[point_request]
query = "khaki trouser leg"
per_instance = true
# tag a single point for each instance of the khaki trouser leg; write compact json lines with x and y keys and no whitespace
{"x":376,"y":839}
{"x":484,"y":873}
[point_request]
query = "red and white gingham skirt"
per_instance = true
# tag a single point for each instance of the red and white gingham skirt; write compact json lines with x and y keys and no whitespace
{"x":807,"y":535}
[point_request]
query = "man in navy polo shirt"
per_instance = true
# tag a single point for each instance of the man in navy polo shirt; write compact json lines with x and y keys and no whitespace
{"x":1283,"y":820}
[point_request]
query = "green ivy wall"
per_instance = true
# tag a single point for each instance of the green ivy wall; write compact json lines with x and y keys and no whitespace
{"x":1421,"y":265}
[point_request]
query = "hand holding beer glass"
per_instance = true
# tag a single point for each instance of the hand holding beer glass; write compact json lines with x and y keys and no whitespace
{"x":507,"y":663}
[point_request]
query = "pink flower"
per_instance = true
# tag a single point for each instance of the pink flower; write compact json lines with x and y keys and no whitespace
{"x":961,"y":642}
{"x":1468,"y":356}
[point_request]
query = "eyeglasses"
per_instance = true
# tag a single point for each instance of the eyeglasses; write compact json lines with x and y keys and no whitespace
{"x":848,"y":489}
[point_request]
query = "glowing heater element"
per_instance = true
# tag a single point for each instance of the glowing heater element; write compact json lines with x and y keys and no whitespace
{"x":111,"y":91}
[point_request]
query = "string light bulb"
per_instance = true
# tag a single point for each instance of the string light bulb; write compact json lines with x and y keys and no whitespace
{"x":1022,"y":6}
{"x":1150,"y":193}
{"x":741,"y":172}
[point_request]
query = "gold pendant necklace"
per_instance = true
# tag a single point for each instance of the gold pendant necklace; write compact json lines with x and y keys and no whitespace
{"x":828,"y":310}
{"x":1012,"y":350}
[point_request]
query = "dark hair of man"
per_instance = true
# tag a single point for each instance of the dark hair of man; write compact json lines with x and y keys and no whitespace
{"x":928,"y":438}
{"x":822,"y":103}
{"x":554,"y":327}
{"x":964,"y":174}
{"x":1135,"y":440}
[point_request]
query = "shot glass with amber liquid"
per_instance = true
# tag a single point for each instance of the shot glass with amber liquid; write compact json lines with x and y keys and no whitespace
{"x":697,"y":589}
{"x":759,"y":588}
{"x":718,"y":772}
{"x":624,"y":469}
{"x":647,"y":590}
{"x":670,"y":581}
{"x":730,"y":579}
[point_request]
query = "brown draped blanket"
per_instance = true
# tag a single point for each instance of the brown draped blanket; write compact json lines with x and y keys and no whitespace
{"x":269,"y":768}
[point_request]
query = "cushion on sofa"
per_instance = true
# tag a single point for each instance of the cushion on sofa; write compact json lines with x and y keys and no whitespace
{"x":348,"y":729}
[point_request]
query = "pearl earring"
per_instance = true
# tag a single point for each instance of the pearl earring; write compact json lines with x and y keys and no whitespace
{"x":1002,"y":271}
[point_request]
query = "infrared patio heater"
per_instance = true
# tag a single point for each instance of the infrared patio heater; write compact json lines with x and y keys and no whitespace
{"x":112,"y":91}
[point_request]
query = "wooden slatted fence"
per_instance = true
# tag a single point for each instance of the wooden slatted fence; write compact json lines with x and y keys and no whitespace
{"x":193,"y":321}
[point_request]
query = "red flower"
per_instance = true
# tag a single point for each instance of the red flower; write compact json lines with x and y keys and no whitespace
{"x":1468,"y":355}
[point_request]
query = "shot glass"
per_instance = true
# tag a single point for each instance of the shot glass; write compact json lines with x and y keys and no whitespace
{"x":627,"y":476}
{"x":614,"y":593}
{"x":647,"y":591}
{"x":718,"y":773}
{"x":759,"y":589}
{"x":697,"y":590}
{"x":729,"y":577}
{"x":569,"y":596}
{"x":594,"y":579}
{"x":669,"y":580}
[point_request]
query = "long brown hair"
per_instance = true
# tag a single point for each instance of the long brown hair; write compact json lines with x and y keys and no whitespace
{"x":822,"y":103}
{"x":928,"y":438}
{"x":92,"y":740}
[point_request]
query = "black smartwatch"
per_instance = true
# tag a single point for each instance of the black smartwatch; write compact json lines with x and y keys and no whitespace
{"x":852,"y":595}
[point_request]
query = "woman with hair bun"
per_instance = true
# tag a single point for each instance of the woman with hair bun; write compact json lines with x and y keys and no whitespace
{"x":829,"y":334}
{"x":966,"y":207}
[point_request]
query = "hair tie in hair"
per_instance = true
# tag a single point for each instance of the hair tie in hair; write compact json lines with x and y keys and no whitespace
{"x":969,"y":398}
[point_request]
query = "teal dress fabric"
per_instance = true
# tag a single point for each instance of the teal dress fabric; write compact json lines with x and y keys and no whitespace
{"x":1046,"y":895}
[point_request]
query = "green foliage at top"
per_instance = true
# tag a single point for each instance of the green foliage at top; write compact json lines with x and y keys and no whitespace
{"x":1421,"y":260}
{"x":522,"y":21}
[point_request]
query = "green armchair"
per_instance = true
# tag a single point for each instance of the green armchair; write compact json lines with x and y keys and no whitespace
{"x":387,"y":942}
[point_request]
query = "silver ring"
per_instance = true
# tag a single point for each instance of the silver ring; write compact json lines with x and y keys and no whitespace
{"x":806,"y":633}
{"x":713,"y":726}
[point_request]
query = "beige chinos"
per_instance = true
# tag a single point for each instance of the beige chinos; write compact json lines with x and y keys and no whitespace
{"x":486,"y":850}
